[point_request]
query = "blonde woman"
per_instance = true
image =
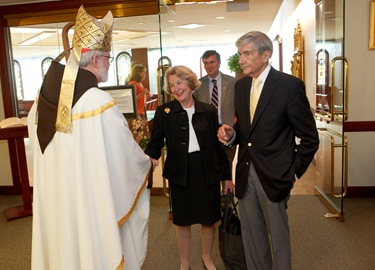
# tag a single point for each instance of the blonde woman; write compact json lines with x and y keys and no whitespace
{"x":196,"y":162}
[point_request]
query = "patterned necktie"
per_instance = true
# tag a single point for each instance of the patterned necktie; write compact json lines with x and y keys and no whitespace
{"x":254,"y":96}
{"x":215,"y":95}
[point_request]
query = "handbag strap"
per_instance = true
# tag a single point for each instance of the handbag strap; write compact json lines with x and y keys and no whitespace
{"x":226,"y":211}
{"x":229,"y":198}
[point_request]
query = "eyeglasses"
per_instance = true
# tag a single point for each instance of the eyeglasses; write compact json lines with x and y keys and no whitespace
{"x":110,"y":58}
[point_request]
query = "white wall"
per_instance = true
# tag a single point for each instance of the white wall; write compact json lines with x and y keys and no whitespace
{"x":361,"y":61}
{"x":361,"y":92}
{"x":292,"y":11}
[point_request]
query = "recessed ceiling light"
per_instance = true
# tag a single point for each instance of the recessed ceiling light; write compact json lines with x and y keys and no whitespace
{"x":184,"y":3}
{"x":220,"y":18}
{"x":191,"y":26}
{"x":37,"y":38}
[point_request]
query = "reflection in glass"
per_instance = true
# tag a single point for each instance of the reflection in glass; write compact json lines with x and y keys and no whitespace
{"x":164,"y":63}
{"x":18,"y":79}
{"x":123,"y":62}
{"x":155,"y":32}
{"x":46,"y":62}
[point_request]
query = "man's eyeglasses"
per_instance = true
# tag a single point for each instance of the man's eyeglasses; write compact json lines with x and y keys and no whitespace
{"x":110,"y":58}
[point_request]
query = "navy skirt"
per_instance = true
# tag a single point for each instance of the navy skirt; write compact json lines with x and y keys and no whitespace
{"x":195,"y":203}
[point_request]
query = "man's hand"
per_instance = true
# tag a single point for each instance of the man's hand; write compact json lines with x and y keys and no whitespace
{"x":225,"y":133}
{"x":228,"y":184}
{"x":154,"y":163}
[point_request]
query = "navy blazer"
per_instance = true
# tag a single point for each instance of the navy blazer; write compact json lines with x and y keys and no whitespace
{"x":171,"y":123}
{"x":269,"y":142}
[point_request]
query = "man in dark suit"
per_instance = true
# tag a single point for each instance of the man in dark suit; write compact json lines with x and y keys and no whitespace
{"x":276,"y":146}
{"x":225,"y":86}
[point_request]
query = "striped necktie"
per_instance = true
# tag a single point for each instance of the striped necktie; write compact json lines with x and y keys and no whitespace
{"x":215,"y":95}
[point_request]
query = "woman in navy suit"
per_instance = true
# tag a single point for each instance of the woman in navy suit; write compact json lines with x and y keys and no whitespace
{"x":196,"y":161}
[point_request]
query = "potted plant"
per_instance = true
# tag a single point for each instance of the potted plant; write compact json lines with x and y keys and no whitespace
{"x":233,"y":65}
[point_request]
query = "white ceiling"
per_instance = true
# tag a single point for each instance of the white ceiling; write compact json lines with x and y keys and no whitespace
{"x":239,"y":17}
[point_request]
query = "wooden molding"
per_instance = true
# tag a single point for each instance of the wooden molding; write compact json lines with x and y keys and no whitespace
{"x":63,"y":11}
{"x":359,"y":126}
{"x":361,"y":192}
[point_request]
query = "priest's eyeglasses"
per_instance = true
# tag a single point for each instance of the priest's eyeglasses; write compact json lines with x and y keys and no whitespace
{"x":110,"y":58}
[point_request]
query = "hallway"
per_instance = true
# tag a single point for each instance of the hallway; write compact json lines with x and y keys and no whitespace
{"x":303,"y":186}
{"x":318,"y":243}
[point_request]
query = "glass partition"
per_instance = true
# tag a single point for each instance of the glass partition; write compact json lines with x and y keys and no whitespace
{"x":168,"y":32}
{"x":34,"y":43}
{"x":331,"y":105}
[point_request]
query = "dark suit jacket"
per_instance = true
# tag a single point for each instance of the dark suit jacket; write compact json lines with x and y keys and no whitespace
{"x":283,"y":113}
{"x":202,"y":93}
{"x":171,"y":123}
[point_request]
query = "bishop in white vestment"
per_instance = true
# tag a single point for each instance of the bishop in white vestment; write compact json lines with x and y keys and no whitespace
{"x":90,"y":202}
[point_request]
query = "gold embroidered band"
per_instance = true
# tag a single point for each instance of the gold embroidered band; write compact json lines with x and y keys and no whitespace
{"x":89,"y":34}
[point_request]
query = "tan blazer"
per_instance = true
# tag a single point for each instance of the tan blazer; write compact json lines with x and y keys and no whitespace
{"x":227,"y":96}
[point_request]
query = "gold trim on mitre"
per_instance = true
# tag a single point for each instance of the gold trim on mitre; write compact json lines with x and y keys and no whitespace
{"x":89,"y":34}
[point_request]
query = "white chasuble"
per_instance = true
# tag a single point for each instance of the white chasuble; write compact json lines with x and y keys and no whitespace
{"x":90,"y":203}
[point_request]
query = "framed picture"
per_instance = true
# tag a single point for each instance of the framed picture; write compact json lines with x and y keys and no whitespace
{"x":125,"y":97}
{"x":371,"y":45}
